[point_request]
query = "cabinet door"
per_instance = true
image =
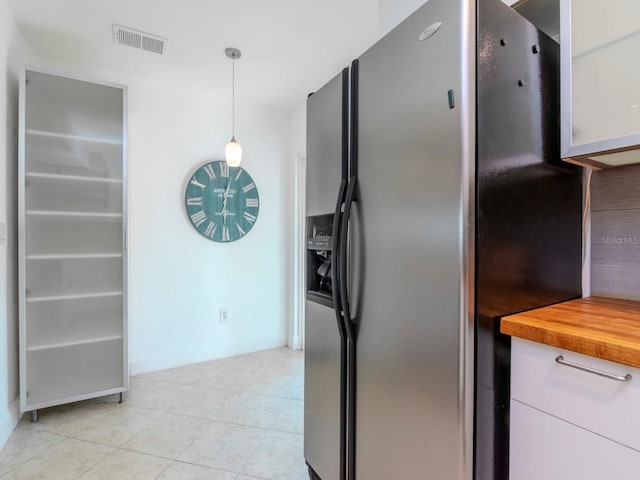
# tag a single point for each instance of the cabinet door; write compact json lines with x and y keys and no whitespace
{"x":600,"y":81}
{"x":545,"y":447}
{"x":72,"y":197}
{"x":606,"y":407}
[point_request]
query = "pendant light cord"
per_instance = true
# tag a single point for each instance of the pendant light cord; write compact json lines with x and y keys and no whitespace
{"x":233,"y":97}
{"x":233,"y":150}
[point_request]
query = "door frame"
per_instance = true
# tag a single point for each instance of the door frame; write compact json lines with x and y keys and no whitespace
{"x":299,"y":261}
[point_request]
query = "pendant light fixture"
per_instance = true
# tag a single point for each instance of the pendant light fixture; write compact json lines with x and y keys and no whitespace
{"x":233,"y":150}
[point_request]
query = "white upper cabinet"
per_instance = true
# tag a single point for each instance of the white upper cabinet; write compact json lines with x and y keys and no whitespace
{"x":601,"y":82}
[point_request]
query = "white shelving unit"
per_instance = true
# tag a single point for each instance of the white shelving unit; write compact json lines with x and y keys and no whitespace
{"x":72,"y":235}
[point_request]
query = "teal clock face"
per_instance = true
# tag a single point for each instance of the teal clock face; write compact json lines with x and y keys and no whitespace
{"x":222,"y":202}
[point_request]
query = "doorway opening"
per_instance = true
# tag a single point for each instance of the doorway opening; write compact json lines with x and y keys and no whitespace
{"x":299,"y":250}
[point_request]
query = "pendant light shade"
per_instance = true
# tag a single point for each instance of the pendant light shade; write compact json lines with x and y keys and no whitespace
{"x":233,"y":153}
{"x":233,"y":150}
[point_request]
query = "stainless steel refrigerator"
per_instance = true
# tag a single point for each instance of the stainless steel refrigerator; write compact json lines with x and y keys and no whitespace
{"x":437,"y":203}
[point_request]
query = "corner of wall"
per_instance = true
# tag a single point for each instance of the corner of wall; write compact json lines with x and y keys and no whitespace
{"x":8,"y":421}
{"x":13,"y":55}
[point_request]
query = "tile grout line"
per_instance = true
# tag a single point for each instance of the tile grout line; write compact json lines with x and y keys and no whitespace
{"x":218,"y":388}
{"x":99,"y":461}
{"x":240,"y":472}
{"x":217,"y":469}
{"x":4,"y":475}
{"x":165,"y":469}
{"x":207,"y":419}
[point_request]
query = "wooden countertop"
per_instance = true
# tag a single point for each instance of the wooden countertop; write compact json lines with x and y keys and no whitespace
{"x":606,"y":328}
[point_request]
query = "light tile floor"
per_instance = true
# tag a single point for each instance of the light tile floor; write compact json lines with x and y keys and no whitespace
{"x":239,"y":418}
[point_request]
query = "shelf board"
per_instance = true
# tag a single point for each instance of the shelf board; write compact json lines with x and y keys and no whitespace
{"x":49,"y":213}
{"x":73,"y":256}
{"x":79,"y":178}
{"x":73,"y":297}
{"x":77,"y":138}
{"x":74,"y":343}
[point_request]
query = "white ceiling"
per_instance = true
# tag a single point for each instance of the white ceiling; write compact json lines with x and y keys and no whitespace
{"x":289,"y":47}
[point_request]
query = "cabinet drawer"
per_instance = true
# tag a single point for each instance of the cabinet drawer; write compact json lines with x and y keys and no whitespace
{"x":601,"y":405}
{"x":545,"y":447}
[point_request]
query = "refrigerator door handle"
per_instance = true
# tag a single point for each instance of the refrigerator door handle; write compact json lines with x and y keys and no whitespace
{"x":343,"y":260}
{"x":350,"y":198}
{"x":350,"y":329}
{"x":335,"y":262}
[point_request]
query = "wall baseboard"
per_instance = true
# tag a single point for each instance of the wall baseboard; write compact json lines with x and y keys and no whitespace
{"x":179,"y":358}
{"x":8,"y":421}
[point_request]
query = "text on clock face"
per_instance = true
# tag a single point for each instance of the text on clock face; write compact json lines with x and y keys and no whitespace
{"x":221,"y":192}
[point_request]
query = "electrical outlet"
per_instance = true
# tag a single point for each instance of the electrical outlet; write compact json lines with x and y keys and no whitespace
{"x":224,"y":315}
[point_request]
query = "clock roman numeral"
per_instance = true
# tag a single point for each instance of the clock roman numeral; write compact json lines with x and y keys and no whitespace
{"x":249,"y":187}
{"x":224,"y":169}
{"x":194,"y":201}
{"x":225,"y":234}
{"x":239,"y":173}
{"x":198,"y":184}
{"x":199,"y":218}
{"x":240,"y":230}
{"x":252,"y":202}
{"x":249,"y":218}
{"x":211,"y":229}
{"x":210,"y":172}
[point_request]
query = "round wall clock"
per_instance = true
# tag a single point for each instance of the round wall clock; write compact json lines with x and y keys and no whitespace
{"x":222,"y":202}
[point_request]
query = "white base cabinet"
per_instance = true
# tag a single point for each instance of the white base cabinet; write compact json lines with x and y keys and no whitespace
{"x":570,"y":424}
{"x":544,"y":447}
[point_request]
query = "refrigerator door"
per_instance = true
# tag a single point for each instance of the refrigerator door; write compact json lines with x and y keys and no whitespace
{"x":324,"y":345}
{"x":409,"y":232}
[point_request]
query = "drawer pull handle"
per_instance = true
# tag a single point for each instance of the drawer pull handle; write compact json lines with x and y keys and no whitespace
{"x":618,"y":378}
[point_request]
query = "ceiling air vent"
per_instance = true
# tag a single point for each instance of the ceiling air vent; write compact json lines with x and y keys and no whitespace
{"x":137,"y":39}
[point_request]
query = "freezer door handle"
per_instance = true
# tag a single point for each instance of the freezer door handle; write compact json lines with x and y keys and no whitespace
{"x":335,"y":272}
{"x":337,"y":217}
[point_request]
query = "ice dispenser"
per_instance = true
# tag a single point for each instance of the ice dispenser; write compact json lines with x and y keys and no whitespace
{"x":319,"y":281}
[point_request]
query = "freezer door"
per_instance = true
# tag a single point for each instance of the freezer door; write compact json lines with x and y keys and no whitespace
{"x":407,"y":249}
{"x":324,"y":147}
{"x":324,"y":345}
{"x":322,"y":392}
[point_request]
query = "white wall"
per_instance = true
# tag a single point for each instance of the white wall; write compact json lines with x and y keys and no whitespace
{"x":11,"y":52}
{"x":178,"y":280}
{"x":392,"y":12}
